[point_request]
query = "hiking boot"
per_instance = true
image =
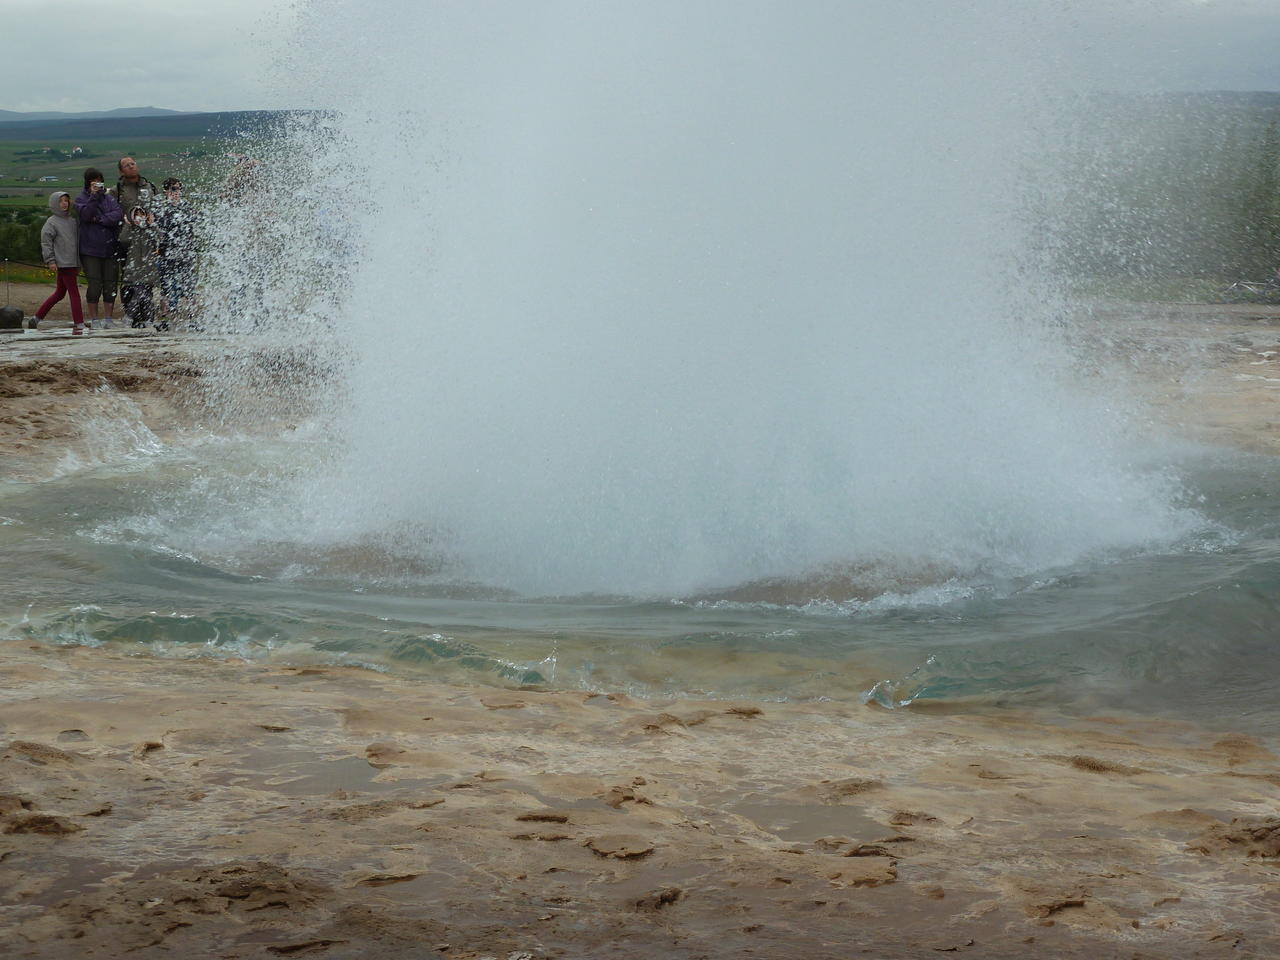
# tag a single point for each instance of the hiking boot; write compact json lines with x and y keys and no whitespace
{"x":78,"y":329}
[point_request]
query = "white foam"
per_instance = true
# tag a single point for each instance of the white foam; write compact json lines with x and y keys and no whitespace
{"x":690,"y":295}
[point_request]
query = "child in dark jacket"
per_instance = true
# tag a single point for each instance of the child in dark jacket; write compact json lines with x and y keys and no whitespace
{"x":140,"y":274}
{"x":60,"y":247}
{"x":177,"y":224}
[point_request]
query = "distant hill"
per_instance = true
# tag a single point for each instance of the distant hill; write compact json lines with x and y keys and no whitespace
{"x":170,"y":125}
{"x":1220,"y":103}
{"x":15,"y":116}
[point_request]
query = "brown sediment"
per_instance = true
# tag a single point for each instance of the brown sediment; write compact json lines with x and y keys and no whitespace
{"x":1246,"y":837}
{"x":836,"y":584}
{"x":1207,"y":371}
{"x":498,"y":832}
{"x":58,"y":391}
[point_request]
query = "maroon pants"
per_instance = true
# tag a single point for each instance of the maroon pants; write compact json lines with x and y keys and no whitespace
{"x":66,"y":285}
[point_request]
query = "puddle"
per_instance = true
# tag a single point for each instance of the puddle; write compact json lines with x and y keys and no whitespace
{"x":320,"y":777}
{"x":157,"y":868}
{"x":297,"y":773}
{"x":563,"y":803}
{"x":446,"y":880}
{"x":800,"y":822}
{"x":77,"y":876}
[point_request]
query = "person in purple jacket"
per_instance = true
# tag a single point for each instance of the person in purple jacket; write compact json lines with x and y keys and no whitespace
{"x":100,"y":217}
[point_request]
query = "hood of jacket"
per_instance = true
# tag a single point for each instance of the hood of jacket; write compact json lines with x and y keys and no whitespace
{"x":53,"y":203}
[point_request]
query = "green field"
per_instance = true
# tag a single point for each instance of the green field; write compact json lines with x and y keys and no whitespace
{"x":199,"y":162}
{"x":19,"y":273}
{"x":1160,"y":289}
{"x":192,"y":147}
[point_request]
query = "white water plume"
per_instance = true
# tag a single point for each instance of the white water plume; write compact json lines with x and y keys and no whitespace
{"x":667,"y":297}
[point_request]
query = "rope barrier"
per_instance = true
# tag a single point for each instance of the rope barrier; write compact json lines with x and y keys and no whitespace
{"x":22,"y":263}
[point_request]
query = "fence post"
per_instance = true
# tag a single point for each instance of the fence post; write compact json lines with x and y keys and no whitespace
{"x":10,"y":316}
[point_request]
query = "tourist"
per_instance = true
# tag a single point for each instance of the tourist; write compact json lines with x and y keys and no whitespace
{"x":132,"y":189}
{"x":140,"y":273}
{"x":244,"y":180}
{"x":246,"y":206}
{"x":99,"y":217}
{"x":60,"y":248}
{"x":176,"y":224}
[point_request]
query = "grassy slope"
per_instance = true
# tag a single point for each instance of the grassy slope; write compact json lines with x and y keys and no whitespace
{"x":158,"y":158}
{"x":160,"y":145}
{"x":19,"y":273}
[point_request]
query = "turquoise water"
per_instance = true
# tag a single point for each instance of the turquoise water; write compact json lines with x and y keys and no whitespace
{"x":168,"y":554}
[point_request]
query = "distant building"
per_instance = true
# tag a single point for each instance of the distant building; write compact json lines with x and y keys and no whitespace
{"x":76,"y":150}
{"x":48,"y":179}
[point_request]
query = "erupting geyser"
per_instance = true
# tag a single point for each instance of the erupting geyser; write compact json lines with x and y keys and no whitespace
{"x":669,"y":297}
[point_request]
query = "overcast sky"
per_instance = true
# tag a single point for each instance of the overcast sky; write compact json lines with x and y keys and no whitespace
{"x":77,"y":55}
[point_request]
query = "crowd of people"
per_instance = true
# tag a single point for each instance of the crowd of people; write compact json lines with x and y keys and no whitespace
{"x":128,"y":239}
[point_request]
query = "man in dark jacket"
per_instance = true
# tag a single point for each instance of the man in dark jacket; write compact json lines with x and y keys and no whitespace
{"x":132,"y":189}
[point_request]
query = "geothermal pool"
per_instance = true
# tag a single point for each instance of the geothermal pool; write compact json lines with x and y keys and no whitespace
{"x":145,"y":557}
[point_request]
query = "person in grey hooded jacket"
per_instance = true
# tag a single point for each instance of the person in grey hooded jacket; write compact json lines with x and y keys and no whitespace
{"x":60,"y":247}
